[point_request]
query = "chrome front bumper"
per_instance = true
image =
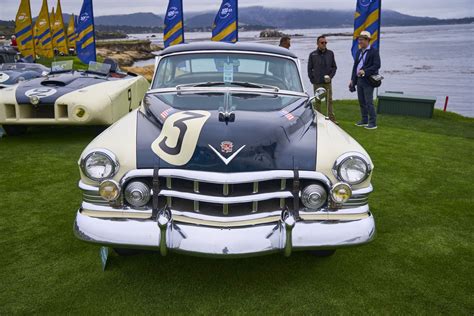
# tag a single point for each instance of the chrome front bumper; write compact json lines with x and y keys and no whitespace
{"x":165,"y":234}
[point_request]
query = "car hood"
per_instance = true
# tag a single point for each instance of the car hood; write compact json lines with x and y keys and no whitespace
{"x":50,"y":88}
{"x":281,"y":135}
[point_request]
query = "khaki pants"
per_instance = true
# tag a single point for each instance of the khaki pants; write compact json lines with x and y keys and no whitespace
{"x":328,"y":87}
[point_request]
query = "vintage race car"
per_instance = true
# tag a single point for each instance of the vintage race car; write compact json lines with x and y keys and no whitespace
{"x":14,"y":73}
{"x":99,"y":96}
{"x":226,"y":157}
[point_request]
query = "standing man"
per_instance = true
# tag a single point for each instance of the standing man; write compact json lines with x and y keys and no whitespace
{"x":321,"y":69}
{"x":367,"y":63}
{"x":285,"y":42}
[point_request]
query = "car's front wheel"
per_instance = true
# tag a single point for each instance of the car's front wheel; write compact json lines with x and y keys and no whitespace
{"x":323,"y":253}
{"x":15,"y":130}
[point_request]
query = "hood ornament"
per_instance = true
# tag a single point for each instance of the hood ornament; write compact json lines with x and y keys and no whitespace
{"x":227,"y":147}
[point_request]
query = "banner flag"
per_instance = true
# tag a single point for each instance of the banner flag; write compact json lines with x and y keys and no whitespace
{"x":24,"y":30}
{"x":226,"y":23}
{"x":85,"y":44}
{"x":367,"y":18}
{"x":173,"y":33}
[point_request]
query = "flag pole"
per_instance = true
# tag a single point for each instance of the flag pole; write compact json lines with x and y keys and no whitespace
{"x":93,"y":28}
{"x":32,"y":32}
{"x":237,"y":15}
{"x":182,"y":18}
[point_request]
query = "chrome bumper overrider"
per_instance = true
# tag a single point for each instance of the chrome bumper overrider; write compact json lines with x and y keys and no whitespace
{"x":285,"y":235}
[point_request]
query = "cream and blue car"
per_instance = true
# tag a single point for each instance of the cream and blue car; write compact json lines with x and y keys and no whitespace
{"x":225,"y":157}
{"x":98,"y":96}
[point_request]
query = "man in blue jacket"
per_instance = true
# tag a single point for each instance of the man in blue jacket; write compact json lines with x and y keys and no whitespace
{"x":366,"y":64}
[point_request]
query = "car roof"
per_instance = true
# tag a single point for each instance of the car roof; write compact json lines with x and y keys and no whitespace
{"x":208,"y":45}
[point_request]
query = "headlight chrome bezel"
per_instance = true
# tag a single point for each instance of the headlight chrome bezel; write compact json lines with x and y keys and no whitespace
{"x":348,"y":156}
{"x":106,"y":153}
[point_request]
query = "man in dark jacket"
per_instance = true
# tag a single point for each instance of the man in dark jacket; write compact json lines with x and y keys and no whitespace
{"x":367,"y":63}
{"x":321,"y":69}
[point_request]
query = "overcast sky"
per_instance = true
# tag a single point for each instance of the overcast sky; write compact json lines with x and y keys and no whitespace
{"x":435,"y":8}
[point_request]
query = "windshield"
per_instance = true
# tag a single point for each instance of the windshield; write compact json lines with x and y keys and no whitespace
{"x":98,"y":68}
{"x":61,"y":66}
{"x":235,"y":101}
{"x":227,"y":69}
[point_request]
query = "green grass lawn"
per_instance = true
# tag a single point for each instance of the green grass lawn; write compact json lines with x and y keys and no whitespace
{"x":421,"y":261}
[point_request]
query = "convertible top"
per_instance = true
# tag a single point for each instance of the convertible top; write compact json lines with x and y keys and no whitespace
{"x":249,"y":47}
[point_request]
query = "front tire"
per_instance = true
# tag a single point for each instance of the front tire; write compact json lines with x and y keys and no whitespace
{"x":123,"y":252}
{"x":15,"y":130}
{"x":323,"y":253}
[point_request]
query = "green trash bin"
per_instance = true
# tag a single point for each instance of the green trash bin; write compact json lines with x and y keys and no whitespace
{"x":403,"y":104}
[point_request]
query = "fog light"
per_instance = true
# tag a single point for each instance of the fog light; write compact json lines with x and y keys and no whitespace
{"x":341,"y":192}
{"x":109,"y":190}
{"x":80,"y":112}
{"x":314,"y":196}
{"x":137,"y":194}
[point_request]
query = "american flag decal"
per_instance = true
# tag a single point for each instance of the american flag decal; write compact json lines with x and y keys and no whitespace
{"x":166,"y":113}
{"x":288,"y":115}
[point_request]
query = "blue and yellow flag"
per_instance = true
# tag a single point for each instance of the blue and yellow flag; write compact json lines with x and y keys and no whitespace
{"x":174,"y":30}
{"x":59,"y":34}
{"x":226,"y":23}
{"x":24,"y":30}
{"x":367,"y":18}
{"x":71,"y":32}
{"x":43,"y":36}
{"x":85,"y":44}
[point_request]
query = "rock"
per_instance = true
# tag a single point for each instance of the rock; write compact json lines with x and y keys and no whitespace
{"x":271,"y":33}
{"x":146,"y":71}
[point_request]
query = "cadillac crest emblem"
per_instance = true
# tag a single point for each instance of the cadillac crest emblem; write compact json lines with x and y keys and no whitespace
{"x":227,"y":147}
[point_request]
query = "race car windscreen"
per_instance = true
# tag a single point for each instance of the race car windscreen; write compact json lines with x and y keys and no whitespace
{"x":61,"y":66}
{"x":228,"y":69}
{"x":98,"y":68}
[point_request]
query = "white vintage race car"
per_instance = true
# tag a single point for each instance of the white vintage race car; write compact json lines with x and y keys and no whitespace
{"x":226,"y":157}
{"x":99,"y":96}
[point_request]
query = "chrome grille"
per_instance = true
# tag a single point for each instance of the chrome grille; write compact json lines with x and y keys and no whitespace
{"x":217,"y":199}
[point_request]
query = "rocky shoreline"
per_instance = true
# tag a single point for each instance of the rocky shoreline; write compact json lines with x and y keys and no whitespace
{"x":126,"y":53}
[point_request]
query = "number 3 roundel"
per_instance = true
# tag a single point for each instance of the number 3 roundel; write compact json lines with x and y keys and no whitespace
{"x":179,"y":137}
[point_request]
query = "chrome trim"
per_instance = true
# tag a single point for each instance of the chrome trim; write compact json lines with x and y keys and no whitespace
{"x":350,"y":155}
{"x":191,"y":90}
{"x":100,"y":211}
{"x":226,"y":199}
{"x":226,"y":178}
{"x":110,"y":155}
{"x":165,"y":234}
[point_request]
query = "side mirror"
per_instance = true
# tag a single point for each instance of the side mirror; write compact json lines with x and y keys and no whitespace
{"x":319,"y":94}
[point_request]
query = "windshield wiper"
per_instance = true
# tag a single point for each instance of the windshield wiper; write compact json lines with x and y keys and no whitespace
{"x":235,"y":83}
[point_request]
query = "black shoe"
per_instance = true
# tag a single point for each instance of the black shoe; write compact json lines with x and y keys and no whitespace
{"x":361,"y":124}
{"x":371,"y":126}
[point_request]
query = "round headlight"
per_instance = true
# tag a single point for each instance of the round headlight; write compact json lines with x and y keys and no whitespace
{"x":109,"y":190}
{"x":352,"y":168}
{"x":314,"y":196}
{"x":99,"y":165}
{"x":34,"y":100}
{"x":340,"y":193}
{"x":137,"y":194}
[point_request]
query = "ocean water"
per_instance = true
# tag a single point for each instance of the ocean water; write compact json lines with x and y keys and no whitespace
{"x":423,"y":60}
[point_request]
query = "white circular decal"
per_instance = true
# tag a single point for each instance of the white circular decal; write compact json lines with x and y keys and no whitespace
{"x":3,"y":77}
{"x":40,"y":92}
